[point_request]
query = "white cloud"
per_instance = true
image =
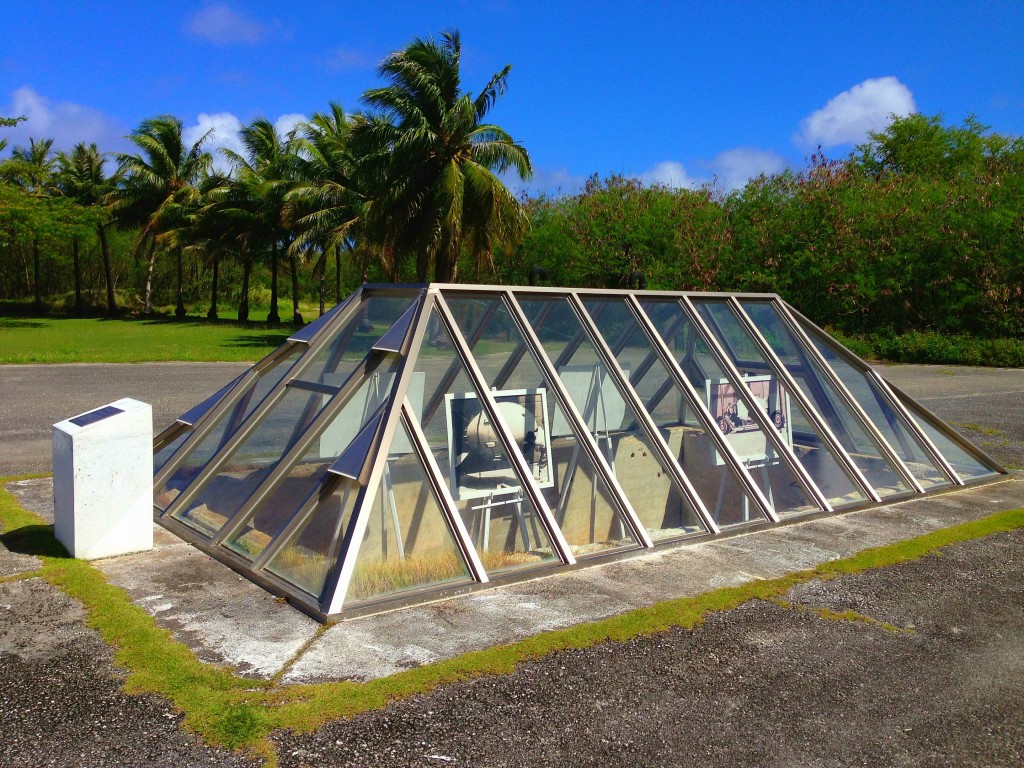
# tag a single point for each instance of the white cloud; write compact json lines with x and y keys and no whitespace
{"x":670,"y":173}
{"x":848,"y":117}
{"x":735,"y":167}
{"x":285,"y":124}
{"x":225,"y":127}
{"x":65,"y":122}
{"x":221,"y":24}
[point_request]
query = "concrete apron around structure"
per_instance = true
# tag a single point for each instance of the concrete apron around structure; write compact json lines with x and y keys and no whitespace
{"x":228,"y":620}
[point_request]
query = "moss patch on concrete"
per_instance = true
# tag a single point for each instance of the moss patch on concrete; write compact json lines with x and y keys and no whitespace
{"x":228,"y":710}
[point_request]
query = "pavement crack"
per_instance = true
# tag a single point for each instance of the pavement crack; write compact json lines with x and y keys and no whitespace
{"x":275,"y":681}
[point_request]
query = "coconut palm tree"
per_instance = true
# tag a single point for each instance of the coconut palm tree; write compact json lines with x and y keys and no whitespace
{"x":431,"y":163}
{"x":159,"y":185}
{"x":325,"y":205}
{"x":261,"y":180}
{"x":81,"y":178}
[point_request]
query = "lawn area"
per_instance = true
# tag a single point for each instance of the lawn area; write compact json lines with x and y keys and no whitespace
{"x":94,"y":340}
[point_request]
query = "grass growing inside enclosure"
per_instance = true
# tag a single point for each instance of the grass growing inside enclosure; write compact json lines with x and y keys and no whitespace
{"x":236,"y":712}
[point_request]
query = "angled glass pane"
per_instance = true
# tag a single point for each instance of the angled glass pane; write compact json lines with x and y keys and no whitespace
{"x":161,"y":457}
{"x":313,"y":548}
{"x":615,"y":425}
{"x":891,"y":423}
{"x":408,"y":542}
{"x":576,"y":493}
{"x":844,"y":423}
{"x":199,"y":455}
{"x":308,"y":473}
{"x":249,"y":464}
{"x":702,"y":368}
{"x":966,"y":466}
{"x":503,"y":523}
{"x":713,"y":478}
{"x":353,"y":339}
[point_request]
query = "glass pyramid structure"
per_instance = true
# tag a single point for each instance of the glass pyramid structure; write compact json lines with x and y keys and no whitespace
{"x":419,"y":441}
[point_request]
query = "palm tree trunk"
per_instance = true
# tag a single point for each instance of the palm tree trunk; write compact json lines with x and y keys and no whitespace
{"x":77,"y":267}
{"x":107,"y":274}
{"x":147,"y":308}
{"x":321,"y":272}
{"x":296,"y":316}
{"x":179,"y":310}
{"x":337,"y":274}
{"x":212,"y":314}
{"x":38,"y":303}
{"x":273,"y":316}
{"x":243,"y":301}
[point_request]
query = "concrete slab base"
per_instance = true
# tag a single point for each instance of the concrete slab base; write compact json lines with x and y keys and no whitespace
{"x":227,"y":619}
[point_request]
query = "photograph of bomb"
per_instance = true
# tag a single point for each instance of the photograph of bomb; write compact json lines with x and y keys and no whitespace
{"x":479,"y":466}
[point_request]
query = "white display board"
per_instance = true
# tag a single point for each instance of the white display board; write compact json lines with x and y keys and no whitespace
{"x":103,"y":480}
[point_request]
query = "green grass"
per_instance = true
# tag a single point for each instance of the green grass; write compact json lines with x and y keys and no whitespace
{"x":93,"y":340}
{"x":236,"y":712}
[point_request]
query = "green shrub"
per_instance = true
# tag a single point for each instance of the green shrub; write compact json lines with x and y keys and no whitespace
{"x":935,"y":348}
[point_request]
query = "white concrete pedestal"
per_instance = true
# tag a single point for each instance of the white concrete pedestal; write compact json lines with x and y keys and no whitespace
{"x":103,"y":480}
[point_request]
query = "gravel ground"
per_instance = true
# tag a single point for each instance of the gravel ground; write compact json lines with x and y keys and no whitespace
{"x":763,"y":685}
{"x":61,"y":702}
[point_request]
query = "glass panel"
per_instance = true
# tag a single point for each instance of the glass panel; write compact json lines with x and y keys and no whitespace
{"x":701,"y":366}
{"x":891,"y":424}
{"x":309,"y":472}
{"x":164,"y":454}
{"x":503,"y":523}
{"x":713,"y":479}
{"x":353,"y":340}
{"x":615,"y":426}
{"x":307,"y":559}
{"x":828,"y":401}
{"x":250,"y":463}
{"x":408,"y":542}
{"x":964,"y":464}
{"x":575,"y":492}
{"x":227,"y":424}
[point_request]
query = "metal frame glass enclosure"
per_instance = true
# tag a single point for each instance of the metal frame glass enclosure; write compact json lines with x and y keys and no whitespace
{"x":419,"y":441}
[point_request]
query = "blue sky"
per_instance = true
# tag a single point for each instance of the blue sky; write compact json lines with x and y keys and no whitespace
{"x":677,"y":93}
